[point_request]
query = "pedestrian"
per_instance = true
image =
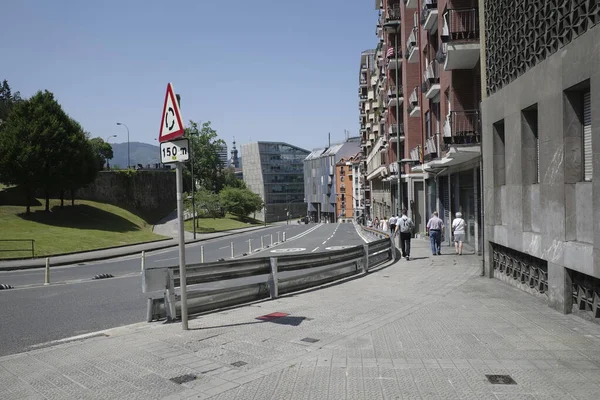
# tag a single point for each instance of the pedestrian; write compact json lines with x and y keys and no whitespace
{"x":435,"y":229}
{"x":405,"y":226}
{"x":376,"y":223}
{"x":458,"y":232}
{"x":393,"y":221}
{"x":384,"y":224}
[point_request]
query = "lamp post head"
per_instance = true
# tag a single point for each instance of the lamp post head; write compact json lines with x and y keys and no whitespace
{"x":118,"y":123}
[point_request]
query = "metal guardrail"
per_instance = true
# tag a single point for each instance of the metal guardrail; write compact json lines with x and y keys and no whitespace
{"x":220,"y":284}
{"x":28,"y":249}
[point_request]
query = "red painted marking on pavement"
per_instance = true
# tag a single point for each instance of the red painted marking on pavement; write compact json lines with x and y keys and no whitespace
{"x":271,"y":316}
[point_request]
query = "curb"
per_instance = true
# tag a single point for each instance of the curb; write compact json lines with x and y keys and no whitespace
{"x":39,"y":262}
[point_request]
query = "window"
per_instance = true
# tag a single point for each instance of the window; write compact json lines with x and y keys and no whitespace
{"x":499,"y":161}
{"x":530,"y":145}
{"x":587,"y":137}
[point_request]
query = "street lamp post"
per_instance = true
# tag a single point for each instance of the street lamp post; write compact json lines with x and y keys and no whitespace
{"x":128,"y":160}
{"x":107,"y":139}
{"x":396,"y":26}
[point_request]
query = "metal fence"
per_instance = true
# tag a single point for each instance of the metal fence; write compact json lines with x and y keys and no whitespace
{"x":28,"y":246}
{"x":220,"y":284}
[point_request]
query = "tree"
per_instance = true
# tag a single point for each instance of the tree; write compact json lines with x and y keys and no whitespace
{"x":208,"y":204}
{"x":102,"y":151}
{"x":205,"y":145}
{"x":41,"y":147}
{"x":240,"y":202}
{"x":7,"y":100}
{"x":228,"y":178}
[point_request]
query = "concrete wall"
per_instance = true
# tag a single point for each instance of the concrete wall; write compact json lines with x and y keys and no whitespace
{"x":557,"y":219}
{"x":147,"y":193}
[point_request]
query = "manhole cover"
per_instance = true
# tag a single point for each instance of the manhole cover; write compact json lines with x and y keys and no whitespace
{"x":183,"y":379}
{"x":501,"y":379}
{"x":338,"y":247}
{"x":309,"y":340}
{"x":239,"y":363}
{"x":290,"y":250}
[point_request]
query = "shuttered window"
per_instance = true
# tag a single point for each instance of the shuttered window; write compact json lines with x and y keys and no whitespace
{"x":587,"y":137}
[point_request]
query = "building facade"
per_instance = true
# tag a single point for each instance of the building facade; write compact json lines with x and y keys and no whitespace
{"x":541,"y":128}
{"x":274,"y":171}
{"x":320,"y":179}
{"x":349,"y":202}
{"x":222,"y":153}
{"x":428,"y":78}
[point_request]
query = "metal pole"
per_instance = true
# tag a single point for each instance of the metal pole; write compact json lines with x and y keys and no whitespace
{"x":231,"y":245}
{"x":47,"y":275}
{"x":271,"y":240}
{"x":278,"y":237}
{"x":249,"y":246}
{"x":193,"y":188}
{"x":399,"y":194}
{"x":202,"y":254}
{"x":262,"y":242}
{"x":143,"y":263}
{"x":284,"y":236}
{"x":182,"y":274}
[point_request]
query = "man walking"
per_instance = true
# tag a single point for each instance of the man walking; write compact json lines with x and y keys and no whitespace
{"x":435,"y":229}
{"x":405,"y":226}
{"x":392,"y":222}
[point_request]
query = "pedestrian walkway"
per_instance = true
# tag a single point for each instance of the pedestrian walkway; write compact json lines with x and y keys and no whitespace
{"x":428,"y":328}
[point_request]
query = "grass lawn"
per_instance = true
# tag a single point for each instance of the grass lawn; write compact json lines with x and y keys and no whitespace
{"x":87,"y":226}
{"x":207,"y":225}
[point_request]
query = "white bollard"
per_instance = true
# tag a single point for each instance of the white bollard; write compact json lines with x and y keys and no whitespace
{"x":271,"y":240}
{"x":278,"y":237}
{"x":143,"y":261}
{"x":47,"y":275}
{"x":284,"y":236}
{"x":202,"y":254}
{"x":249,"y":246}
{"x":262,"y":242}
{"x":232,"y":255}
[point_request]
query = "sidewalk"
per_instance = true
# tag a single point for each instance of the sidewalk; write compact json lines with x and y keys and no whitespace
{"x":166,"y":227}
{"x":428,"y":328}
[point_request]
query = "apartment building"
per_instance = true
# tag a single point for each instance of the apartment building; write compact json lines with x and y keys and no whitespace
{"x":541,"y":127}
{"x":350,"y":201}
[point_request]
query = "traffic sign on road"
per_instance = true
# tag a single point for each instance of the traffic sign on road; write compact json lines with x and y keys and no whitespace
{"x":171,"y":126}
{"x":175,"y":151}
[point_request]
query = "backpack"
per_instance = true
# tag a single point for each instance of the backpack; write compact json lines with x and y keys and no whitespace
{"x":406,"y":225}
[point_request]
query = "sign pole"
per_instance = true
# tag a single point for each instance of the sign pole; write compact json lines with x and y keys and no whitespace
{"x":182,"y":275}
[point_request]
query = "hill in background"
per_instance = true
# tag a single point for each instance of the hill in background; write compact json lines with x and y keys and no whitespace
{"x":140,"y":153}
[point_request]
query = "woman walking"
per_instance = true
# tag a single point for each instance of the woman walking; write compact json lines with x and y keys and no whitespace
{"x":458,"y":230}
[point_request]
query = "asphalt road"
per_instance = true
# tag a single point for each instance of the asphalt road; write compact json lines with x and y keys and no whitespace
{"x":74,"y":304}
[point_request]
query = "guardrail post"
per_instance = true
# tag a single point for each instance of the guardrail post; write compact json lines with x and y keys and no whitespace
{"x":47,"y":274}
{"x":202,"y":254}
{"x":262,"y":242}
{"x":284,"y":236}
{"x":273,"y":279}
{"x":170,"y":298}
{"x":278,"y":237}
{"x":232,"y":254}
{"x":32,"y":248}
{"x":271,"y":240}
{"x":143,"y":261}
{"x":365,"y":263}
{"x":249,"y":246}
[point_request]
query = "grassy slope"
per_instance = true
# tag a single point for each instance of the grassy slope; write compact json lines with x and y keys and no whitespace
{"x":220,"y":224}
{"x":89,"y":225}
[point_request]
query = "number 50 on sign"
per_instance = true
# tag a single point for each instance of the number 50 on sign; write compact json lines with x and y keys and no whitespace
{"x":174,"y":151}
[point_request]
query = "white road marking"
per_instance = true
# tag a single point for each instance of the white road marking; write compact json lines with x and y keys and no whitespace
{"x":226,"y":247}
{"x":166,"y":259}
{"x":315,"y":249}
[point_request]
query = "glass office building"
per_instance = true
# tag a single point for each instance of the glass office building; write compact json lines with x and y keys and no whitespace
{"x":274,"y":170}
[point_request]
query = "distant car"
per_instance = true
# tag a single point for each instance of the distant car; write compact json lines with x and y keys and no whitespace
{"x":303,"y":219}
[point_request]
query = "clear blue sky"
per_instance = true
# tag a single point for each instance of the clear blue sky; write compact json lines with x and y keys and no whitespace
{"x":257,"y":69}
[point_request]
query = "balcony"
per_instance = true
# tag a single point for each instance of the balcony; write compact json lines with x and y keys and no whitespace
{"x":461,"y":36}
{"x":429,"y":16}
{"x":411,"y":47}
{"x":363,"y":82}
{"x":363,"y":128}
{"x":431,"y":81}
{"x":372,"y":137}
{"x":393,"y":61}
{"x":411,"y":3}
{"x":393,"y":13}
{"x":393,"y":132}
{"x":462,"y":128}
{"x":362,"y":97}
{"x":363,"y":68}
{"x":395,"y":99}
{"x":413,"y":103}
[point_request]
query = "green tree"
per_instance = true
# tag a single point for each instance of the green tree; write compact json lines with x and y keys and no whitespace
{"x":7,"y":100}
{"x":228,"y":179}
{"x":240,"y":202}
{"x":102,"y":151}
{"x":41,"y":147}
{"x":205,"y":146}
{"x":208,"y":204}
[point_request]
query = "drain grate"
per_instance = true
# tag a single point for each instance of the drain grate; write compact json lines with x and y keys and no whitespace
{"x":239,"y":363}
{"x":183,"y":379}
{"x":309,"y":340}
{"x":501,"y":379}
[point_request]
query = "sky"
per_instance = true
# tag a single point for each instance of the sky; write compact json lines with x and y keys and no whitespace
{"x":257,"y":69}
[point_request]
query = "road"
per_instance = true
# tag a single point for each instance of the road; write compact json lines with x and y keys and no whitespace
{"x":74,"y":304}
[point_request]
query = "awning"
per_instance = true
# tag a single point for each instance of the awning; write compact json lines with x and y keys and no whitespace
{"x":454,"y":157}
{"x":376,"y":173}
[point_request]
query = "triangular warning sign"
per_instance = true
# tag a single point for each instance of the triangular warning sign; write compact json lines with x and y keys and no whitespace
{"x":171,"y":126}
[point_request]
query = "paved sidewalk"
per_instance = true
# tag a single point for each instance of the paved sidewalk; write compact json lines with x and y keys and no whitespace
{"x":429,"y":328}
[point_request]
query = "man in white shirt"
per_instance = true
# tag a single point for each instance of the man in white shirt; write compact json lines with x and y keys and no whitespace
{"x":405,"y":226}
{"x":458,"y":230}
{"x":392,"y":223}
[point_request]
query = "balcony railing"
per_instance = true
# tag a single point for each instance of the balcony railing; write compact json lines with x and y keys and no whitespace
{"x":431,"y":76}
{"x":393,"y":129}
{"x":392,"y":91}
{"x":440,"y":56}
{"x":428,"y":6}
{"x":393,"y":13}
{"x":411,"y":43}
{"x":461,"y":25}
{"x":363,"y":96}
{"x":462,"y":127}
